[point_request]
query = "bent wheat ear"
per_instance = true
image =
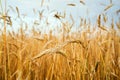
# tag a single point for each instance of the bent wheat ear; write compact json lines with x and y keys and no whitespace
{"x":9,"y":22}
{"x":34,"y":11}
{"x":82,"y":2}
{"x":57,"y":16}
{"x":99,"y":21}
{"x":12,"y":8}
{"x":118,"y":25}
{"x":118,"y":11}
{"x":41,"y":14}
{"x":115,"y":75}
{"x":96,"y":66}
{"x":108,"y":7}
{"x":61,"y":53}
{"x":71,"y":4}
{"x":42,"y":3}
{"x":18,"y":12}
{"x":71,"y":17}
{"x":111,"y":1}
{"x":105,"y":18}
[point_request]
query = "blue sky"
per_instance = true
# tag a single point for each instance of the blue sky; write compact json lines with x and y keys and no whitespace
{"x":93,"y":7}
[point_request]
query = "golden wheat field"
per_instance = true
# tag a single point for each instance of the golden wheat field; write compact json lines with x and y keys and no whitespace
{"x":91,"y":54}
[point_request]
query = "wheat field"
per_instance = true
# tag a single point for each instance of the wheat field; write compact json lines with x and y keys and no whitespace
{"x":92,"y":54}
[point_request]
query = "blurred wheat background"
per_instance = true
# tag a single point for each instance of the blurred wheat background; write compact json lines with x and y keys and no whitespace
{"x":56,"y":43}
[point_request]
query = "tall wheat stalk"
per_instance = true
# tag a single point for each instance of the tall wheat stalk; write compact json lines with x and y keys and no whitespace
{"x":5,"y":45}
